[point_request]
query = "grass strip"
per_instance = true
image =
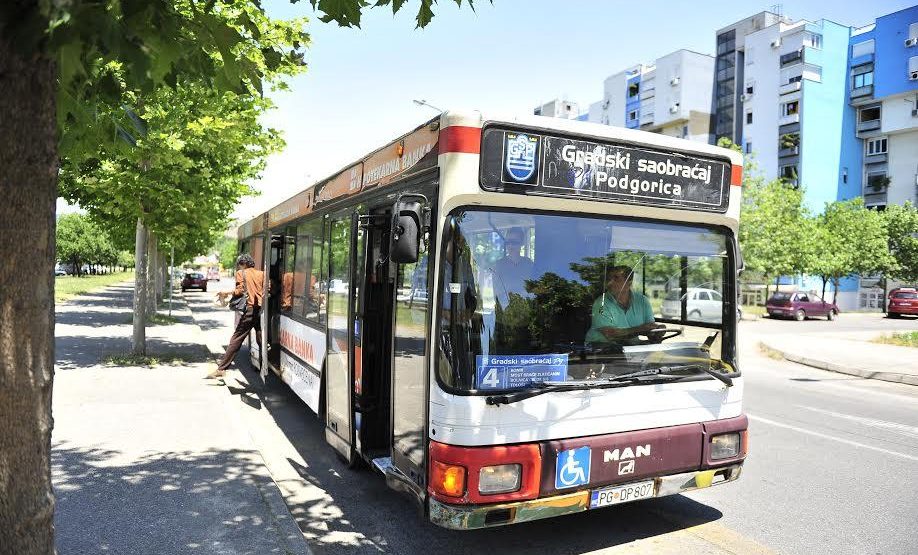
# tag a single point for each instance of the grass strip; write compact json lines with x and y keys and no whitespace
{"x":149,"y":361}
{"x":67,"y":287}
{"x":904,"y":339}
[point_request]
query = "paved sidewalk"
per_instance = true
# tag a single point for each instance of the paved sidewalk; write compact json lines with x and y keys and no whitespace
{"x":153,"y":460}
{"x":851,"y":353}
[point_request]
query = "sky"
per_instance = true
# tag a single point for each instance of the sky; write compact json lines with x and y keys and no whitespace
{"x":507,"y":57}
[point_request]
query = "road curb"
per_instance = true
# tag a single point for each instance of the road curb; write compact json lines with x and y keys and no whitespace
{"x":841,"y":369}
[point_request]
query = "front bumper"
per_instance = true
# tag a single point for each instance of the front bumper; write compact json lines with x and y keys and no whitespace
{"x":467,"y":517}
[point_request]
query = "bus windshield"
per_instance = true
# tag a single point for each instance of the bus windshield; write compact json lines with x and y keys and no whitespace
{"x":533,"y":298}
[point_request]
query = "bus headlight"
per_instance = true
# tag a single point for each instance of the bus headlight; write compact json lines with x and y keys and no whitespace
{"x":725,"y":446}
{"x":499,"y":479}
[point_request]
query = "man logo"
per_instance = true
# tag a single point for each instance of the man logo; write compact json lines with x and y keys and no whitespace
{"x":626,"y":453}
{"x":521,"y":157}
{"x":626,"y":467}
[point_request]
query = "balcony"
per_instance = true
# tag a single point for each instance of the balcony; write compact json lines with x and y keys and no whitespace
{"x":788,"y":119}
{"x":869,"y":125}
{"x":866,"y":90}
{"x":881,"y":158}
{"x":873,"y":197}
{"x":792,"y":58}
{"x":789,"y":151}
{"x":789,"y":88}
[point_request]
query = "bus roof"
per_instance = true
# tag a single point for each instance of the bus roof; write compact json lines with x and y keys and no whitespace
{"x":452,"y":132}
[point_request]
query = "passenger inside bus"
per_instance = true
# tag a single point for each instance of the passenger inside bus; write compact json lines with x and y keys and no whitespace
{"x":619,"y":315}
{"x":512,"y":271}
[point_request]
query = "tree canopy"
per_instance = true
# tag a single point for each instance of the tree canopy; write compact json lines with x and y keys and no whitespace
{"x":902,"y":236}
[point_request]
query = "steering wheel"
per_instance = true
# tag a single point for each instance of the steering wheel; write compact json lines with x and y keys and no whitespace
{"x":661,"y":334}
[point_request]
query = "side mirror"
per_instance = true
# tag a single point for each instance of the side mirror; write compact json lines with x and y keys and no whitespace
{"x":409,"y":225}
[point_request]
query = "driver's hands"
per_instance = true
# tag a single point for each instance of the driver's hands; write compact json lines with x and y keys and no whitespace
{"x":649,"y":326}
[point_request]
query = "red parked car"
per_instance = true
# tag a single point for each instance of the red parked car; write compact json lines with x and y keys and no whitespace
{"x":194,"y":280}
{"x":903,"y":300}
{"x":799,"y":306}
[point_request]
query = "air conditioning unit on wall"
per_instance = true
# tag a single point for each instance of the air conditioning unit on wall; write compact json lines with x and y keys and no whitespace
{"x":911,"y":42}
{"x":776,"y":43}
{"x":913,"y":76}
{"x":674,"y":81}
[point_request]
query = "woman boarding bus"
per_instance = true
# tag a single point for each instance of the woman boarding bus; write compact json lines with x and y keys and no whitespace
{"x":475,"y":309}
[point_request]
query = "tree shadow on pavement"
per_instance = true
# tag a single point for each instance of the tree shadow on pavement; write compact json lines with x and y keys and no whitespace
{"x":163,"y":503}
{"x":358,"y":513}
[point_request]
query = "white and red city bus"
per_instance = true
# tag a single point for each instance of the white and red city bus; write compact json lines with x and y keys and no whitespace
{"x":448,"y":305}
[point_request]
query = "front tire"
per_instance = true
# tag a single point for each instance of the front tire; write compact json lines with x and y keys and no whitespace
{"x":800,"y":315}
{"x":832,"y":315}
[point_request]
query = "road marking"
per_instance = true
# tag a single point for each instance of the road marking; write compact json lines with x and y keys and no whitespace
{"x":827,"y":436}
{"x":905,"y":429}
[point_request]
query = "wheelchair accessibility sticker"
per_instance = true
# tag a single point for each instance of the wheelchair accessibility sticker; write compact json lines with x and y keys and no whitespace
{"x":572,"y":468}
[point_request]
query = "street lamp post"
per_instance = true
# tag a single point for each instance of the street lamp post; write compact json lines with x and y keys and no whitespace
{"x":428,"y":104}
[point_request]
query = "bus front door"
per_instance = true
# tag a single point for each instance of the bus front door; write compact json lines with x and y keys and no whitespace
{"x":339,"y":428}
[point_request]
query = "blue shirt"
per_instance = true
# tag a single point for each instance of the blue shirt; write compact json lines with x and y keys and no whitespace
{"x":611,"y":315}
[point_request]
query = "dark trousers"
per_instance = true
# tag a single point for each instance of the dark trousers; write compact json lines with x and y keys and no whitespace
{"x":251,"y":318}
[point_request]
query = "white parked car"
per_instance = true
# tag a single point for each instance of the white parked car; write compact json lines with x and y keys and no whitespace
{"x":702,"y":305}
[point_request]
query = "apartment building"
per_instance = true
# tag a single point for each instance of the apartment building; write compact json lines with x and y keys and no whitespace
{"x":558,"y":108}
{"x":671,"y":96}
{"x":882,"y":91}
{"x":881,"y":126}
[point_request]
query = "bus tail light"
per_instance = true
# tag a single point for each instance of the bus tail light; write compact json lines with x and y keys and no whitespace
{"x":489,"y":474}
{"x":447,"y":479}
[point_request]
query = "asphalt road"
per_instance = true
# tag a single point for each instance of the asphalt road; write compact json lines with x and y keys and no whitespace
{"x":833,"y":468}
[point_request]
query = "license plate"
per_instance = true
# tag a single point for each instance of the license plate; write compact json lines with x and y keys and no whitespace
{"x":621,"y":494}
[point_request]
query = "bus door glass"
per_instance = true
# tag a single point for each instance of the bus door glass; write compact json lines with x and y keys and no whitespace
{"x":339,"y":429}
{"x":409,"y":384}
{"x":273,"y":297}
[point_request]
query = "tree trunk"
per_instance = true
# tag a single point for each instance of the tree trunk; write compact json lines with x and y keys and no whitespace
{"x":825,"y":279}
{"x":139,"y":339}
{"x":835,"y":283}
{"x":28,"y":187}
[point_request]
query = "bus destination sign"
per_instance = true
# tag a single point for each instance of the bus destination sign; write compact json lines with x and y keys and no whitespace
{"x":519,"y":161}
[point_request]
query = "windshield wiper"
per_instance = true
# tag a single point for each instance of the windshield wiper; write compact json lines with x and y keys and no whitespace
{"x":660,"y":373}
{"x":538,"y":388}
{"x":681,"y":368}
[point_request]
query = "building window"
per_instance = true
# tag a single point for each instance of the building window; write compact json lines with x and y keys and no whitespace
{"x":790,"y":108}
{"x":748,"y":117}
{"x":750,"y":88}
{"x":789,"y":173}
{"x":869,"y":114}
{"x":748,"y":147}
{"x":815,"y":41}
{"x":684,"y":131}
{"x":876,"y":146}
{"x":863,"y":80}
{"x":633,"y":89}
{"x":632,"y":115}
{"x":795,"y":79}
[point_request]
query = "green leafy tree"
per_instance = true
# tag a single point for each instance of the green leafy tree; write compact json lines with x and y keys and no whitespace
{"x":775,"y":231}
{"x":902,"y":237}
{"x":59,"y":62}
{"x":82,"y":241}
{"x":226,"y":250}
{"x":852,"y":240}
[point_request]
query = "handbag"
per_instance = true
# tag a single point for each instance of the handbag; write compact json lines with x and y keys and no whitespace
{"x":239,"y":303}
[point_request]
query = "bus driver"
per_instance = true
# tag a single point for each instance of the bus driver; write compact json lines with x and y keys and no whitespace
{"x":621,"y":314}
